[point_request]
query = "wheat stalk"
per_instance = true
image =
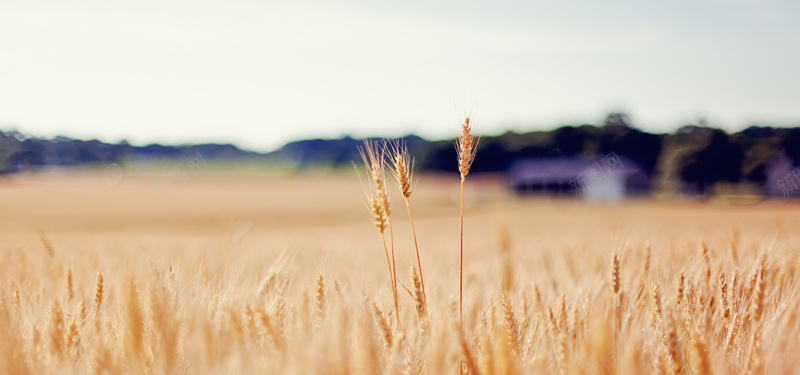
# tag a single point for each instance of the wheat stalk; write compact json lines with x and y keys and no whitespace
{"x":466,"y":146}
{"x":271,"y":331}
{"x":373,"y":156}
{"x":135,"y":327}
{"x":511,"y":325}
{"x":671,"y":344}
{"x":733,"y":332}
{"x":57,"y":330}
{"x":758,"y":294}
{"x":615,"y":286}
{"x":48,"y":246}
{"x":70,"y":286}
{"x":507,"y":279}
{"x":73,"y":339}
{"x":680,"y":290}
{"x":403,"y":173}
{"x":419,"y":302}
{"x":723,"y":294}
{"x":655,"y":296}
{"x":98,"y":294}
{"x":466,"y":353}
{"x":706,"y":261}
{"x":701,"y":364}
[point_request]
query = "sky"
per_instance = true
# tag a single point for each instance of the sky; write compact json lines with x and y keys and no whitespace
{"x":261,"y":73}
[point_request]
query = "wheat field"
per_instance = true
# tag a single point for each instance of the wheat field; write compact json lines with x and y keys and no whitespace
{"x":286,"y":274}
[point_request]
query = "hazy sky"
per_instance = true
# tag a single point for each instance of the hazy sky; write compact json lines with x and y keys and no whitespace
{"x":259,"y":73}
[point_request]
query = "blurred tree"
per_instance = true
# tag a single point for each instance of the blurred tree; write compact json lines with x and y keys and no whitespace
{"x":494,"y":156}
{"x":573,"y":141}
{"x":761,"y":146}
{"x":791,"y":144}
{"x":440,"y":157}
{"x":617,"y":120}
{"x":10,"y":145}
{"x":620,"y":137}
{"x":720,"y":160}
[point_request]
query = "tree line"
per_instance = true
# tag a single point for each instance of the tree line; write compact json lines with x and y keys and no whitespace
{"x":696,"y":156}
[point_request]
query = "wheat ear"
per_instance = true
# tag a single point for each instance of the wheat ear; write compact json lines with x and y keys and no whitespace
{"x":615,"y":288}
{"x":98,"y":294}
{"x":419,"y":300}
{"x":383,"y":325}
{"x":319,"y":297}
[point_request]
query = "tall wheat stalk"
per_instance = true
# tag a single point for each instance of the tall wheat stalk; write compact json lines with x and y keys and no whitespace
{"x":466,"y":146}
{"x":378,"y":197}
{"x":403,"y":173}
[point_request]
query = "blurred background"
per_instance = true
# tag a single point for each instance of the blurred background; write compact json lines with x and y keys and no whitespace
{"x":574,"y":99}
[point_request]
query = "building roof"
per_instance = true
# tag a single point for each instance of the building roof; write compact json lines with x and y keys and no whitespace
{"x":563,"y":169}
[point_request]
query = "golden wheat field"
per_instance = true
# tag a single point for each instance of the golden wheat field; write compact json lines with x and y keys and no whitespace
{"x":286,"y":274}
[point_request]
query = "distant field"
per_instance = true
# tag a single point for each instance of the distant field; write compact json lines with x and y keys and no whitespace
{"x":219,"y":274}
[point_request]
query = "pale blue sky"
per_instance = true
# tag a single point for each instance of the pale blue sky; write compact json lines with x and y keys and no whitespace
{"x":259,"y":73}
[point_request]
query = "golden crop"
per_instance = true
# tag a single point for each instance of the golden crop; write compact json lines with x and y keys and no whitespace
{"x":286,"y":275}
